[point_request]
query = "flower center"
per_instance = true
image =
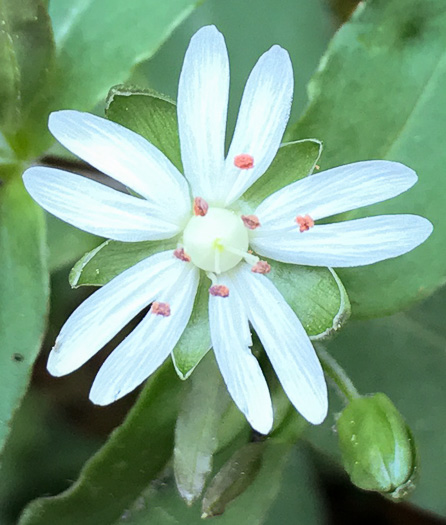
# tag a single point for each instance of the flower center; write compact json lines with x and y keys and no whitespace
{"x":217,"y":241}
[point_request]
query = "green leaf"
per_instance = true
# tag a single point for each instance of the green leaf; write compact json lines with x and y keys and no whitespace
{"x":379,"y":93}
{"x":134,"y":454}
{"x":404,"y":357}
{"x":98,"y":44}
{"x":196,"y":430}
{"x":196,"y":338}
{"x":149,"y":114}
{"x":294,"y":161}
{"x":24,"y":291}
{"x":316,"y":295}
{"x":26,"y":52}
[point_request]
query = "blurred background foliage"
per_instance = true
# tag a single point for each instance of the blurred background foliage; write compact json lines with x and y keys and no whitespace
{"x":383,"y":72}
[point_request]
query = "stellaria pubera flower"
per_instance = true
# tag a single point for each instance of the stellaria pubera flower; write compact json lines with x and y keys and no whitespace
{"x":200,"y":207}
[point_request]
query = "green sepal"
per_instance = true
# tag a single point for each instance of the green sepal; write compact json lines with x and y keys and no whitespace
{"x":195,"y":341}
{"x":148,"y":113}
{"x":316,"y":295}
{"x":294,"y":161}
{"x":109,"y":259}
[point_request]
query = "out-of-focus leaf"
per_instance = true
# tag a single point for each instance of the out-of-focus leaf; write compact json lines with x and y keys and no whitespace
{"x":26,"y":52}
{"x":134,"y":454}
{"x":24,"y":291}
{"x":379,"y":93}
{"x":98,"y":44}
{"x":402,"y":356}
{"x":161,"y":503}
{"x":196,"y":429}
{"x":149,"y":114}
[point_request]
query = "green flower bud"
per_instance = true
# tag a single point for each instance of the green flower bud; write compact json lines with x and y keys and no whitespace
{"x":377,"y":446}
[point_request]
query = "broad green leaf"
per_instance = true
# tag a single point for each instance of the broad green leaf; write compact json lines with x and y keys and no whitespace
{"x":294,"y":161}
{"x":379,"y":93}
{"x":402,"y":356}
{"x":196,"y":338}
{"x":149,"y":114}
{"x":114,"y":477}
{"x":26,"y":52}
{"x":196,"y":430}
{"x":24,"y":291}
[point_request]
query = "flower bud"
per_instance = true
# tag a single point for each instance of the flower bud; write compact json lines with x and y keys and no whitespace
{"x":378,"y":449}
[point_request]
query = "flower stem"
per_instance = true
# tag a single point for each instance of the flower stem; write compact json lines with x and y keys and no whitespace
{"x":335,"y":372}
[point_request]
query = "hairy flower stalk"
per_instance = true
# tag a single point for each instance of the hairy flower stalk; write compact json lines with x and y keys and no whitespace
{"x":200,"y":208}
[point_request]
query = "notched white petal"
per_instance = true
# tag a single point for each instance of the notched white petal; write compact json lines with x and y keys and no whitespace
{"x":97,"y":208}
{"x":335,"y":191}
{"x":147,"y":347}
{"x":350,"y":243}
{"x":286,"y":343}
{"x":125,"y":156}
{"x":202,"y":109}
{"x":98,"y":319}
{"x":240,"y":370}
{"x":261,"y":122}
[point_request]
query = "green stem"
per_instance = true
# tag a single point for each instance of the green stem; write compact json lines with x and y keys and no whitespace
{"x":335,"y":372}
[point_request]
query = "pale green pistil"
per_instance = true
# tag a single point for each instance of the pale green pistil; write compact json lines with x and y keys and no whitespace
{"x":217,"y":241}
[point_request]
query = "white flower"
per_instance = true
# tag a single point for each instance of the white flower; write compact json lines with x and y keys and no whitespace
{"x":199,"y":208}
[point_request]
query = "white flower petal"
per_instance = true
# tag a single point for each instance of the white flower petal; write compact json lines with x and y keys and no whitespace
{"x":335,"y":191}
{"x":96,"y":208}
{"x":286,"y":343}
{"x":349,"y":243}
{"x":146,"y":348}
{"x":107,"y":311}
{"x":202,"y":109}
{"x":125,"y":156}
{"x":239,"y":368}
{"x":263,"y":116}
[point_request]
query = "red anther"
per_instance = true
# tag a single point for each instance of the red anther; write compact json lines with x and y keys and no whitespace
{"x":244,"y":161}
{"x":160,"y":309}
{"x":179,"y":253}
{"x":251,"y":221}
{"x":305,"y":222}
{"x":261,"y":267}
{"x":200,"y":206}
{"x":219,"y":290}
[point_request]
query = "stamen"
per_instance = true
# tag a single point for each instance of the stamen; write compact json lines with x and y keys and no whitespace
{"x":160,"y":309}
{"x":179,"y":253}
{"x":261,"y":267}
{"x":244,"y":161}
{"x":251,"y":221}
{"x":200,"y":206}
{"x":305,"y":222}
{"x":317,"y":166}
{"x":249,"y":258}
{"x":219,"y":290}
